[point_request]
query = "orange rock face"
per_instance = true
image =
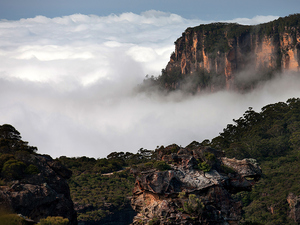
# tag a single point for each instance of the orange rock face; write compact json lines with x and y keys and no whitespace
{"x":225,"y":58}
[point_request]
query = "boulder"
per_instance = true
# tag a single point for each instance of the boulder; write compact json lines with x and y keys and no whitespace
{"x":185,"y":194}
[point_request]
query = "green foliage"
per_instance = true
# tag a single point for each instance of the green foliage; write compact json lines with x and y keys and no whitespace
{"x":204,"y":166}
{"x":193,"y":205}
{"x":161,"y":165}
{"x":13,"y":169}
{"x":106,"y":194}
{"x":7,"y":131}
{"x":4,"y":158}
{"x":210,"y":156}
{"x":101,"y":184}
{"x":271,"y":133}
{"x":54,"y":220}
{"x":143,"y":166}
{"x":32,"y":169}
{"x":158,"y":165}
{"x":271,"y":136}
{"x":12,"y":219}
{"x":266,"y":203}
{"x":10,"y":140}
{"x":182,"y":194}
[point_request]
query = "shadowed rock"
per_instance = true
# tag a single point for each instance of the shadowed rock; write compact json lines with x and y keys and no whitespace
{"x":41,"y":194}
{"x":196,"y":190}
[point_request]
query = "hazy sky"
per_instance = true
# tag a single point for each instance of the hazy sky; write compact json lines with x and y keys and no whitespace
{"x":190,"y":9}
{"x":68,"y":68}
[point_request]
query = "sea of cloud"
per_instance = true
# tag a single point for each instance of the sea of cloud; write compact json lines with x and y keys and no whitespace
{"x":67,"y":84}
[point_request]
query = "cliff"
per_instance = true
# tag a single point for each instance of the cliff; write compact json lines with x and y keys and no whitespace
{"x":191,"y":185}
{"x":294,"y":205}
{"x":31,"y":184}
{"x":232,"y":56}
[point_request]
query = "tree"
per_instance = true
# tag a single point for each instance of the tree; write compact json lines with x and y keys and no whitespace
{"x":7,"y":131}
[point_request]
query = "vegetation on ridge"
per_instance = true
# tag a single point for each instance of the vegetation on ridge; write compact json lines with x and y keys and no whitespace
{"x":272,"y":136}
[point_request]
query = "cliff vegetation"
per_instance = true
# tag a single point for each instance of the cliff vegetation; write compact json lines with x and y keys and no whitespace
{"x":101,"y":188}
{"x":271,"y":136}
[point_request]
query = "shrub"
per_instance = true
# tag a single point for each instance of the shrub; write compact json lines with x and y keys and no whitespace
{"x":210,"y":156}
{"x":144,"y":166}
{"x":204,"y":166}
{"x":54,"y":220}
{"x":32,"y":169}
{"x":13,"y":169}
{"x":193,"y":205}
{"x":161,"y":165}
{"x":4,"y":158}
{"x":181,"y":194}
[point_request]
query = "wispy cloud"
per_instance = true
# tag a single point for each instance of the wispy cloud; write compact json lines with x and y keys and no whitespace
{"x":66,"y":84}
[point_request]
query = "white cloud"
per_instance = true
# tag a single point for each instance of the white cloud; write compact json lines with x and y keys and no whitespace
{"x":66,"y":84}
{"x":253,"y":21}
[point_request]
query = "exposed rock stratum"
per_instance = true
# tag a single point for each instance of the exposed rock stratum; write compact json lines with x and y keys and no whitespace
{"x":195,"y":189}
{"x":232,"y":56}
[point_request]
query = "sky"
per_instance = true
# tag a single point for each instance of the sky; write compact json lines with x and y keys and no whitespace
{"x":68,"y":71}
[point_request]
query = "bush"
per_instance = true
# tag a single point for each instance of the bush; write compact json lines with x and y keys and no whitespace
{"x":4,"y":158}
{"x":144,"y":166}
{"x":54,"y":220}
{"x":181,"y":194}
{"x":32,"y":169}
{"x":193,"y":205}
{"x":161,"y":165}
{"x":13,"y":169}
{"x":210,"y":156}
{"x":204,"y":166}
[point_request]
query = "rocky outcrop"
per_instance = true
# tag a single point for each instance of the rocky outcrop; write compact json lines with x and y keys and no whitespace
{"x":41,"y":192}
{"x":195,"y":189}
{"x":232,"y":56}
{"x":294,"y":204}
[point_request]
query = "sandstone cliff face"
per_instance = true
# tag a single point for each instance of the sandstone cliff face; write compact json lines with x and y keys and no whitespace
{"x":39,"y":195}
{"x":195,"y":190}
{"x":232,"y":56}
{"x":294,"y":204}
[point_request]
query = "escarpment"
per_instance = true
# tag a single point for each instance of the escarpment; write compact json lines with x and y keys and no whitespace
{"x":232,"y":56}
{"x":191,"y":185}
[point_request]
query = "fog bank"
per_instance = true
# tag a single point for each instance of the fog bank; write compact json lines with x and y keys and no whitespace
{"x":67,"y":85}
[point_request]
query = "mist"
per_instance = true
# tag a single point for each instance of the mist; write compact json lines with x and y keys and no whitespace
{"x":67,"y":84}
